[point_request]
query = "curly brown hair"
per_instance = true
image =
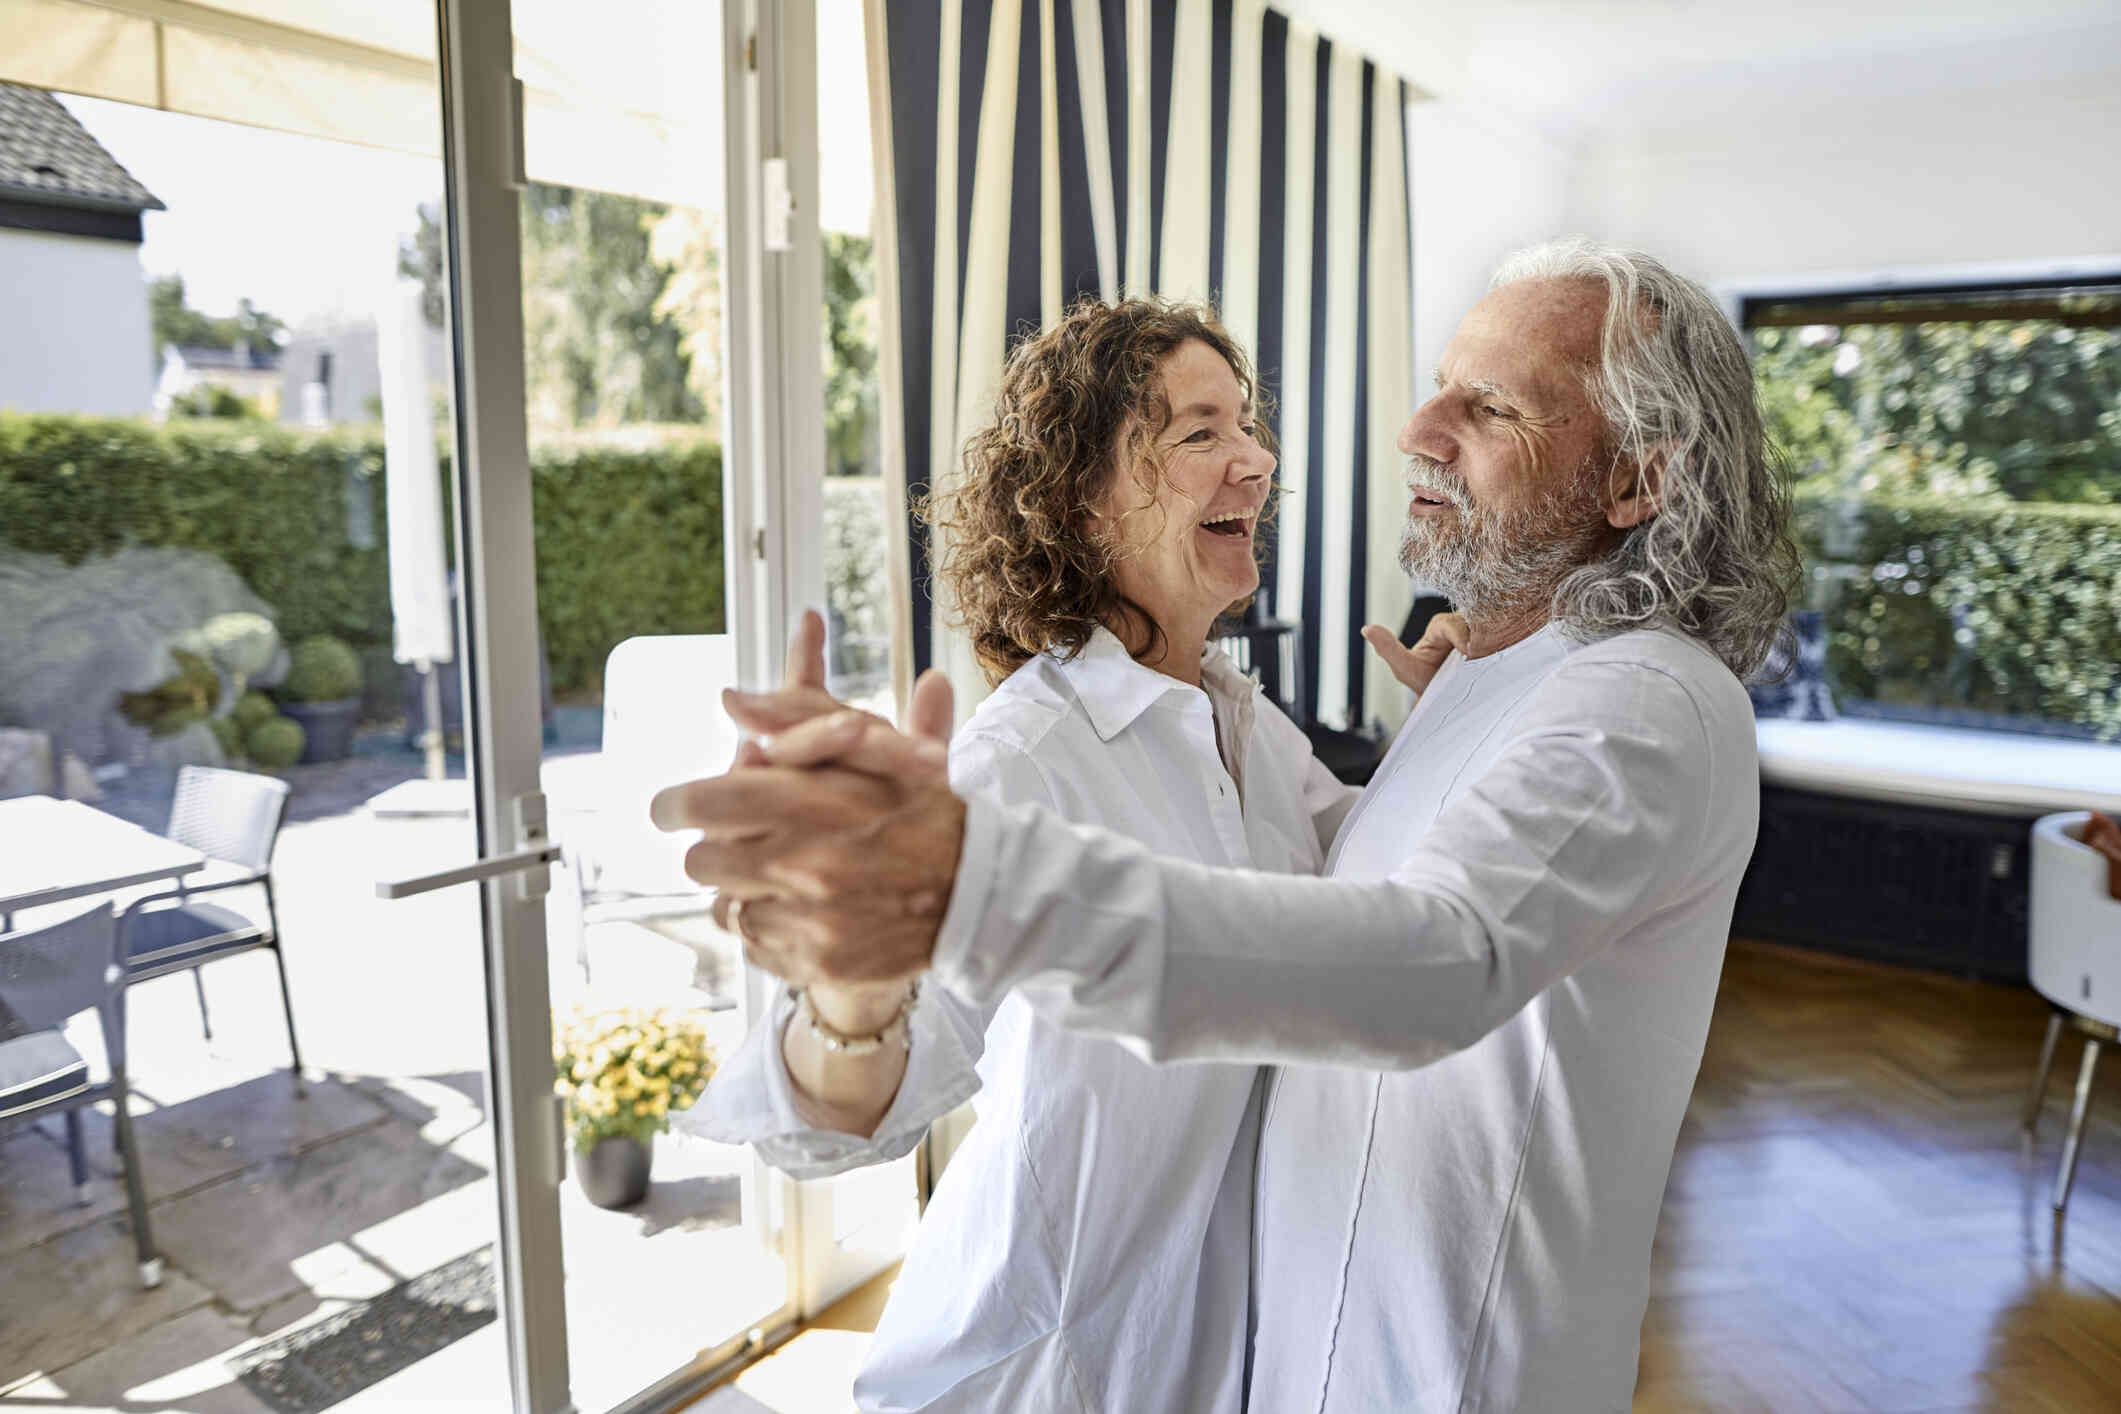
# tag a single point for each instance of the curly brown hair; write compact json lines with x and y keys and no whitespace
{"x":1077,"y":403}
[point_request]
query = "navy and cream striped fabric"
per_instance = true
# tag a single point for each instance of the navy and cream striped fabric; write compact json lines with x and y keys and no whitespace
{"x":1037,"y":150}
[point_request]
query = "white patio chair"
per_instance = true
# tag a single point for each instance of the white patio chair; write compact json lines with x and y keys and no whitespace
{"x":2075,"y":957}
{"x":233,"y":818}
{"x":663,"y":723}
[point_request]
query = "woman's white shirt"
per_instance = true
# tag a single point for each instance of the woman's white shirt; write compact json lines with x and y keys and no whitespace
{"x":1089,"y":1248}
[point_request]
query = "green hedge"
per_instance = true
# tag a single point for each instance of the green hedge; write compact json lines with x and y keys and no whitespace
{"x":629,"y":542}
{"x":270,"y":501}
{"x":2010,"y":608}
{"x":629,"y":534}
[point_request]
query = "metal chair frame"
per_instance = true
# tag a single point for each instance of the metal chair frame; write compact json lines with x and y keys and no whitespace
{"x":110,"y":1016}
{"x":2069,"y":910}
{"x":193,"y":784}
{"x":2097,"y":1036}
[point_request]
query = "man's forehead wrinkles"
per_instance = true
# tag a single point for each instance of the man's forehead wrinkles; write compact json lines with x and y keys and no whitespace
{"x":1490,"y":386}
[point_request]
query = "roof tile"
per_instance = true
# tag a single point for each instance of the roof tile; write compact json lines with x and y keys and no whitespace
{"x":46,"y":155}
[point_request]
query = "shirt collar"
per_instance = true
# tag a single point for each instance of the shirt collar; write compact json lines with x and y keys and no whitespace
{"x":1115,"y":690}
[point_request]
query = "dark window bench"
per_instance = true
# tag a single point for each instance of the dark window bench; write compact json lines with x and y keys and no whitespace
{"x":1908,"y":843}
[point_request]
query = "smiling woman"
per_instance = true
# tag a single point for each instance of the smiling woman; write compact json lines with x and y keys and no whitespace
{"x":1119,"y":433}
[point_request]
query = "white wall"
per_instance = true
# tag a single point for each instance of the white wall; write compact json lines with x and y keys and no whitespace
{"x":1483,"y":187}
{"x":73,"y":325}
{"x":2013,"y":175}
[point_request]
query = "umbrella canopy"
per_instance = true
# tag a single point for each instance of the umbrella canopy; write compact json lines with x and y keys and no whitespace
{"x":620,"y":96}
{"x":422,"y":627}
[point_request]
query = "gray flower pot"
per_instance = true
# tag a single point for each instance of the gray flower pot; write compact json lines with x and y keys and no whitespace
{"x":614,"y":1172}
{"x":327,"y":727}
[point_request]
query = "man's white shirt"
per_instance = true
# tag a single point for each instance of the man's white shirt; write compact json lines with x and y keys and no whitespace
{"x":1490,"y":1017}
{"x":1089,"y":1248}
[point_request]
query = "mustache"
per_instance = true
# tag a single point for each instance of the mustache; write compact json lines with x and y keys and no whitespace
{"x":1438,"y":479}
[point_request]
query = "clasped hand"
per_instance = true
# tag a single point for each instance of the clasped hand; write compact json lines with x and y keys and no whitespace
{"x":837,"y":834}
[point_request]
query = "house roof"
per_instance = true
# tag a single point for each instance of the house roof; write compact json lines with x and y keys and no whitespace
{"x":200,"y":357}
{"x":47,"y":156}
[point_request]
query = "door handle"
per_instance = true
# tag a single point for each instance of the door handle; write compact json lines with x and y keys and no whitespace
{"x":534,"y":858}
{"x":530,"y":861}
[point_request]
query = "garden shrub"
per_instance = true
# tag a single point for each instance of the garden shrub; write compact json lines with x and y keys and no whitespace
{"x":629,"y":542}
{"x":1997,"y":607}
{"x":252,"y":708}
{"x":321,"y":669}
{"x":276,"y":743}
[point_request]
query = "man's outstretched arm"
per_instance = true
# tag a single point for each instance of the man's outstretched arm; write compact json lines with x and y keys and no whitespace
{"x":1591,"y":819}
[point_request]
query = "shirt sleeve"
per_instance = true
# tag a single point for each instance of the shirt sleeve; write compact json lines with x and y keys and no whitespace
{"x":1590,"y":818}
{"x":751,"y":1099}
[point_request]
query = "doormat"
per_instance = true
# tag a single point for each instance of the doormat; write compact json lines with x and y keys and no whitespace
{"x":338,"y":1357}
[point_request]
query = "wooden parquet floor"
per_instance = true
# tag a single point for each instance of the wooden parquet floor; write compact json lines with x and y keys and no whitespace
{"x":1850,"y":1223}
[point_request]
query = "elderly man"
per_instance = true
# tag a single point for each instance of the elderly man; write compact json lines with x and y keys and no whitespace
{"x":1491,"y":1014}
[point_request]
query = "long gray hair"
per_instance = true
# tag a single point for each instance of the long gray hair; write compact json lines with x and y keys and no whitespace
{"x":1716,"y":561}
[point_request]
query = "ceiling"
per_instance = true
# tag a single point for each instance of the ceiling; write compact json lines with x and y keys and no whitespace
{"x":1590,"y":71}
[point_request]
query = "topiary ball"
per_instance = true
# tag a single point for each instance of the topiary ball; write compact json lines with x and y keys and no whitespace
{"x":321,"y":669}
{"x":252,"y":709}
{"x":275,"y":743}
{"x":229,"y":733}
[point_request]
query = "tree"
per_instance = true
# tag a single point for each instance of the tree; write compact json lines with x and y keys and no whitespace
{"x":172,"y":320}
{"x":622,"y":315}
{"x":213,"y":400}
{"x":255,"y":329}
{"x":684,"y":243}
{"x":420,"y":258}
{"x":2024,"y":409}
{"x":597,"y":350}
{"x":850,"y":355}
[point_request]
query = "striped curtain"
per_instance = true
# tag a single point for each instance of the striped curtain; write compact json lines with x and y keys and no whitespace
{"x":1030,"y":151}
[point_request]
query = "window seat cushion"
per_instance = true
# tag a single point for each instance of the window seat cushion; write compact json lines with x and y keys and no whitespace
{"x":2004,"y":773}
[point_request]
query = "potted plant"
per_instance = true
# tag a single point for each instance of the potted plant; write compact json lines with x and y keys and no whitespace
{"x":323,"y":695}
{"x":624,"y":1071}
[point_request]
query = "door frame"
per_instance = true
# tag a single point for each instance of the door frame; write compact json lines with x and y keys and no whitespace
{"x":773,"y":566}
{"x":497,"y":630}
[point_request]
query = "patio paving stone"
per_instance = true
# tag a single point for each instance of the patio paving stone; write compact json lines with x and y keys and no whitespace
{"x":437,"y":1231}
{"x":444,"y":1107}
{"x":222,"y":1132}
{"x":177,"y":1365}
{"x":276,"y":1228}
{"x":37,"y":1189}
{"x":79,"y":1293}
{"x":332,"y":1293}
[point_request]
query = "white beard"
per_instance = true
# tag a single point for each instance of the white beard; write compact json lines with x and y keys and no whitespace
{"x":1488,"y":562}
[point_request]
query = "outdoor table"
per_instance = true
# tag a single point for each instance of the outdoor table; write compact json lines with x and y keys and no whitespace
{"x":54,"y":850}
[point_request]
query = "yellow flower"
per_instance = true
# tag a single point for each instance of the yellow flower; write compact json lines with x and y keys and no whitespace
{"x":640,"y":1107}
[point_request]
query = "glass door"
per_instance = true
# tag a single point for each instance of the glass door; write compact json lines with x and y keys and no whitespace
{"x":633,"y":243}
{"x":548,"y":464}
{"x":218,"y":405}
{"x":584,"y":239}
{"x":637,"y":266}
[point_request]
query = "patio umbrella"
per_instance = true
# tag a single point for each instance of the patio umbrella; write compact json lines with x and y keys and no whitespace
{"x":423,"y":629}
